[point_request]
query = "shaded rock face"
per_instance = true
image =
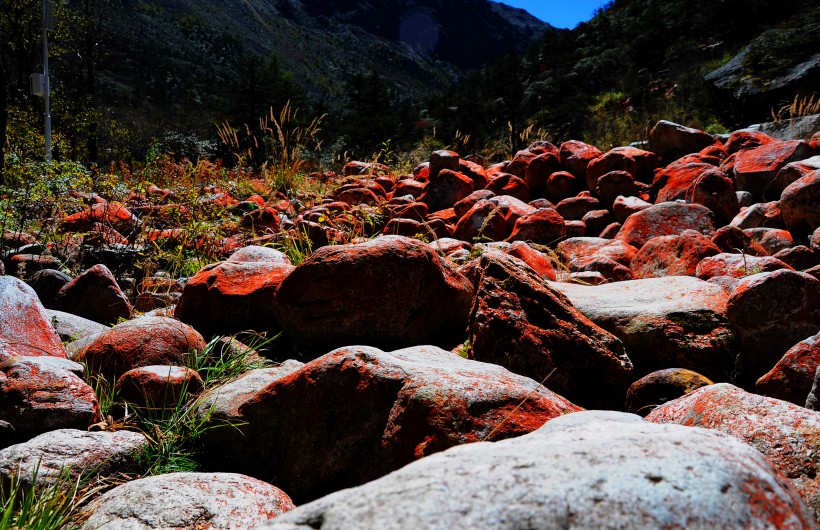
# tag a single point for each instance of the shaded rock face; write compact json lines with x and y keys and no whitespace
{"x":769,"y":313}
{"x":141,"y":342}
{"x":653,"y":390}
{"x":188,"y":500}
{"x":737,"y":265}
{"x":392,"y":291}
{"x":77,"y":452}
{"x":25,"y":327}
{"x":161,"y":388}
{"x":41,"y":394}
{"x":671,"y":141}
{"x":677,"y":321}
{"x":522,"y":323}
{"x":698,"y":183}
{"x":234,"y":295}
{"x":94,"y":295}
{"x":371,"y":412}
{"x":793,"y":376}
{"x":684,"y":478}
{"x":800,"y":205}
{"x":785,"y":433}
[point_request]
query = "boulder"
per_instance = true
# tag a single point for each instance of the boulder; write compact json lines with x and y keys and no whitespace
{"x":539,"y":262}
{"x":510,"y":185}
{"x":759,"y":215}
{"x":732,"y":240}
{"x":25,"y":327}
{"x":559,"y":186}
{"x":482,"y":222}
{"x":664,"y":219}
{"x":737,"y":265}
{"x":235,"y":295}
{"x":371,"y":412}
{"x":646,"y":162}
{"x":540,"y":168}
{"x":698,"y":184}
{"x":623,"y":207}
{"x":522,"y":323}
{"x":756,"y":169}
{"x":800,"y":205}
{"x":609,"y":161}
{"x":158,"y":388}
{"x":41,"y":394}
{"x":614,"y":184}
{"x":216,"y":501}
{"x":671,"y":322}
{"x":770,"y":312}
{"x":145,"y":341}
{"x":47,"y":283}
{"x":796,"y":170}
{"x":576,"y":156}
{"x":773,"y":240}
{"x":746,"y":139}
{"x":391,"y":291}
{"x":799,"y":257}
{"x":675,"y":255}
{"x":575,"y":208}
{"x":71,"y":328}
{"x":609,"y":269}
{"x":445,"y":189}
{"x":792,"y":377}
{"x":785,"y":433}
{"x":583,"y":470}
{"x":653,"y":390}
{"x":544,"y":226}
{"x":76,"y":454}
{"x":95,"y":295}
{"x":583,"y":247}
{"x":672,"y":141}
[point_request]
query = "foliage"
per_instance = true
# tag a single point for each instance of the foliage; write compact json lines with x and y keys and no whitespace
{"x":28,"y":506}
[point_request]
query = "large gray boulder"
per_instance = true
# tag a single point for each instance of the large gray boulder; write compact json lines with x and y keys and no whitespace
{"x":584,"y":470}
{"x":671,"y":322}
{"x":72,"y":454}
{"x":187,"y":501}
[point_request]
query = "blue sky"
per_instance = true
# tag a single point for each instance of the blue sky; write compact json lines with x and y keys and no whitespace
{"x":559,"y":13}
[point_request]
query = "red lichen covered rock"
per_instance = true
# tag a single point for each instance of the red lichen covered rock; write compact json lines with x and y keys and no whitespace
{"x":756,"y":169}
{"x":559,"y":186}
{"x":540,"y":168}
{"x":676,"y":255}
{"x":668,"y":218}
{"x":145,"y":341}
{"x":371,"y":412}
{"x":646,"y":162}
{"x":792,"y":377}
{"x":41,"y":394}
{"x":800,"y":205}
{"x":613,"y":184}
{"x":737,"y":265}
{"x":575,"y":208}
{"x":111,"y":214}
{"x":390,"y":291}
{"x":523,"y":324}
{"x":95,"y":295}
{"x":583,"y":247}
{"x":773,"y":240}
{"x":445,"y":189}
{"x":158,"y":387}
{"x":698,"y":184}
{"x":676,"y":321}
{"x":25,"y":327}
{"x":769,"y":313}
{"x":746,"y":139}
{"x":609,"y":161}
{"x":576,"y":156}
{"x":799,"y":257}
{"x":609,"y":269}
{"x":731,"y":239}
{"x":235,"y":295}
{"x":481,"y":222}
{"x":653,"y":390}
{"x":536,"y":260}
{"x":510,"y":185}
{"x":759,"y":215}
{"x":544,"y":226}
{"x":795,"y":171}
{"x":785,"y":433}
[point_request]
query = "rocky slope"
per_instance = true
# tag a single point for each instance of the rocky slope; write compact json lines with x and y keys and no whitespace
{"x":438,"y":371}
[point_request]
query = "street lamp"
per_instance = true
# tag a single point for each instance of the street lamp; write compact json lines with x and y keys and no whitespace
{"x":40,"y":82}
